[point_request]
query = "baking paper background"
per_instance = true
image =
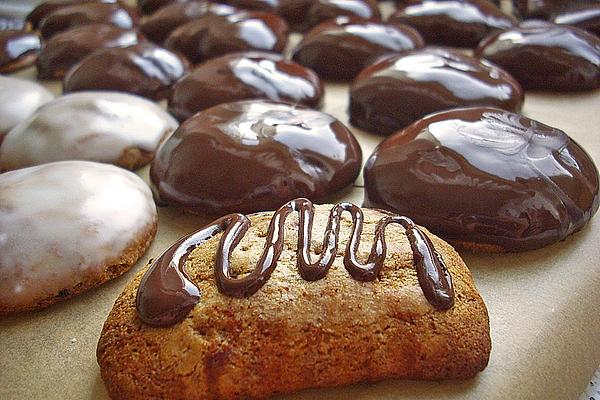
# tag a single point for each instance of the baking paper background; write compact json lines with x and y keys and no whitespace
{"x":543,"y":304}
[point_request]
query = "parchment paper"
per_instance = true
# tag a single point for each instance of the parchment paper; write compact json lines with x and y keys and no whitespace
{"x":543,"y":304}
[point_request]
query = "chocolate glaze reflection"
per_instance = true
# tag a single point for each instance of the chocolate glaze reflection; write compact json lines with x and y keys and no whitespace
{"x":212,"y":35}
{"x":453,"y":22}
{"x":45,"y":8}
{"x":323,"y":10}
{"x":11,"y":23}
{"x":66,"y":18}
{"x":340,"y":50}
{"x":546,"y":56}
{"x":240,"y":76}
{"x":66,"y":49}
{"x":587,"y":17}
{"x":144,"y":69}
{"x":399,"y":89}
{"x":486,"y":179}
{"x":545,"y":8}
{"x":18,"y":50}
{"x":255,"y":155}
{"x":164,"y":21}
{"x":166,"y":294}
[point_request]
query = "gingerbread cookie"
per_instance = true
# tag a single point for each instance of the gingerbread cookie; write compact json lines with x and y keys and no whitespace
{"x":67,"y":227}
{"x":252,"y":306}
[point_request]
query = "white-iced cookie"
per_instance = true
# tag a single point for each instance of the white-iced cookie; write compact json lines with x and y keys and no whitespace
{"x":19,"y":98}
{"x":109,"y":127}
{"x":68,"y":226}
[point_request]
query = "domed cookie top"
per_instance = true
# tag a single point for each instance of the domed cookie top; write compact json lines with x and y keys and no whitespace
{"x":241,"y":76}
{"x":254,"y":155}
{"x":583,"y":17}
{"x":340,"y":50}
{"x":144,"y":69}
{"x":45,"y":8}
{"x":67,"y":227}
{"x":460,"y":23}
{"x":323,"y":10}
{"x":214,"y":35}
{"x":546,"y":56}
{"x":287,"y":278}
{"x":109,"y":127}
{"x":67,"y":48}
{"x":18,"y":50}
{"x":399,"y":89}
{"x":73,"y":16}
{"x":19,"y":98}
{"x":485,"y":179}
{"x":159,"y":25}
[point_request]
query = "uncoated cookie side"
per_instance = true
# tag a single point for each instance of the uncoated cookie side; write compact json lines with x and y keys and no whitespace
{"x":293,"y":334}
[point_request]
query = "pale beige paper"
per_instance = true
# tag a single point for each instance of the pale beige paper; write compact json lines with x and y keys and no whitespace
{"x":543,"y":304}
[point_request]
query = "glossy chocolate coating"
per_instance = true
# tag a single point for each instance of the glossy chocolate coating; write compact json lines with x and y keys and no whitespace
{"x":241,"y":76}
{"x":339,"y":51}
{"x":323,"y":10}
{"x":213,"y":35}
{"x":18,"y":50}
{"x":45,"y":8}
{"x":587,"y":18}
{"x":166,"y":294}
{"x":397,"y":90}
{"x":546,"y":56}
{"x":460,"y":23}
{"x":485,"y":177}
{"x":252,"y":156}
{"x":144,"y":69}
{"x":66,"y":49}
{"x":11,"y":23}
{"x":158,"y":26}
{"x":151,"y":6}
{"x":545,"y":8}
{"x":70,"y":17}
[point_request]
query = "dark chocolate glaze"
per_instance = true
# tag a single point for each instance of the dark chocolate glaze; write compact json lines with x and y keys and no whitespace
{"x":546,"y":56}
{"x":545,"y":8}
{"x":322,"y":10}
{"x":340,"y":50}
{"x":70,"y":17}
{"x":295,"y":11}
{"x":66,"y":49}
{"x":143,"y":69}
{"x":164,"y":21}
{"x":254,"y":155}
{"x":397,"y":90}
{"x":11,"y":23}
{"x":18,"y":50}
{"x":45,"y":8}
{"x":213,"y":35}
{"x":457,"y":23}
{"x":151,"y":6}
{"x":487,"y":177}
{"x":241,"y":76}
{"x":166,"y":294}
{"x":587,"y":18}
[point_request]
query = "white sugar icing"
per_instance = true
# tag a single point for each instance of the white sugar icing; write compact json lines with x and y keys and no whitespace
{"x":19,"y":98}
{"x":60,"y":223}
{"x":93,"y":126}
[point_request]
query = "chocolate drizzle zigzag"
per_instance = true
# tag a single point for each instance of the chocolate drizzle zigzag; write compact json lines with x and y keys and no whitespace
{"x":166,"y":294}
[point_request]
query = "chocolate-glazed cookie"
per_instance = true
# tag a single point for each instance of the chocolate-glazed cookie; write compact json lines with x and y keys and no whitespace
{"x":399,"y":89}
{"x":485,"y":179}
{"x":585,"y":17}
{"x":340,"y":50}
{"x":241,"y":76}
{"x":145,"y":69}
{"x":67,"y":48}
{"x":254,"y":155}
{"x":158,"y":25}
{"x":70,"y":17}
{"x":546,"y":56}
{"x":460,"y":23}
{"x":45,"y":8}
{"x":214,"y":35}
{"x":18,"y":50}
{"x":147,"y":7}
{"x":323,"y":10}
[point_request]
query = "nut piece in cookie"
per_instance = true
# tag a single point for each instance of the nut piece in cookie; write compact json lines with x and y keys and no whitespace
{"x":67,"y":227}
{"x":109,"y":127}
{"x":308,"y":296}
